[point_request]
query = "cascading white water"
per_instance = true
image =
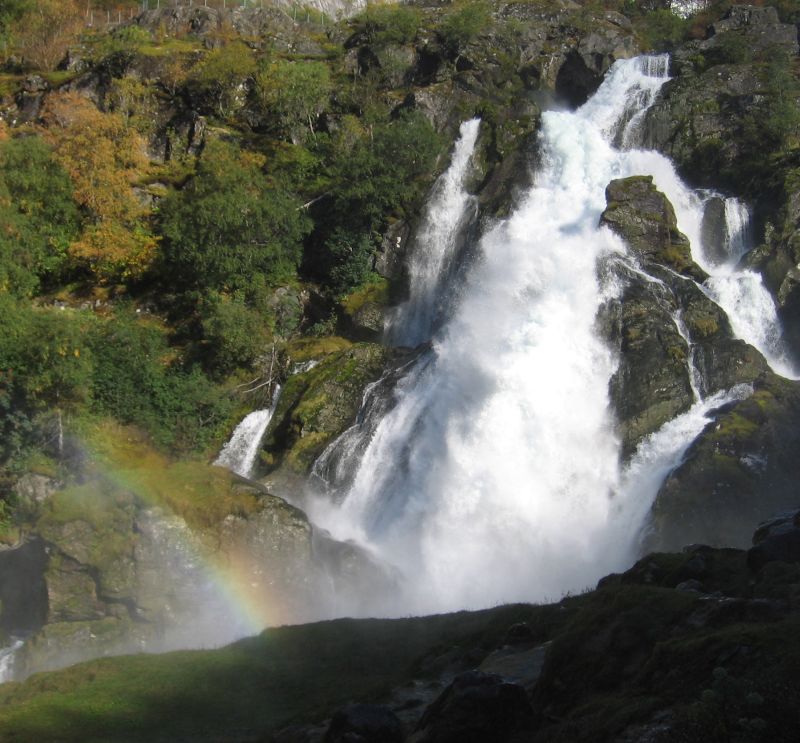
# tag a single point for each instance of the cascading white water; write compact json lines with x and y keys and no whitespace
{"x":435,"y":246}
{"x":495,"y":476}
{"x":738,"y":238}
{"x":239,"y":454}
{"x":491,"y":478}
{"x":655,"y":457}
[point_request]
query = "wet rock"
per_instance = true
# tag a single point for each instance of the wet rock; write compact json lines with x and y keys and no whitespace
{"x":651,"y":384}
{"x":643,"y":216}
{"x":777,"y":540}
{"x":475,"y":708}
{"x":663,"y":325}
{"x":319,"y":404}
{"x":740,"y":470}
{"x":364,"y":723}
{"x":713,"y":230}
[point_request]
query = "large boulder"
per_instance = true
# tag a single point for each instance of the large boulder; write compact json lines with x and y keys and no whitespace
{"x":668,"y":333}
{"x":474,"y":708}
{"x":643,"y":216}
{"x":742,"y":469}
{"x":776,"y":540}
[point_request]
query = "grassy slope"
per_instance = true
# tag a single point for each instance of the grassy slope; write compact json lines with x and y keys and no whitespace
{"x":239,"y":692}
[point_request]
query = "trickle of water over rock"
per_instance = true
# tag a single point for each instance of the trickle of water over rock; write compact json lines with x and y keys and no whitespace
{"x":239,"y":454}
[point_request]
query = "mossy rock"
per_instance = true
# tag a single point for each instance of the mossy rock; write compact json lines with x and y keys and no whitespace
{"x":644,"y":218}
{"x":742,"y":469}
{"x":319,"y":404}
{"x":363,"y":310}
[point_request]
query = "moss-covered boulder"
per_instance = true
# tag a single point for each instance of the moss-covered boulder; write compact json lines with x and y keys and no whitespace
{"x":742,"y":469}
{"x":643,"y":216}
{"x":363,"y":311}
{"x":668,"y":333}
{"x":319,"y":404}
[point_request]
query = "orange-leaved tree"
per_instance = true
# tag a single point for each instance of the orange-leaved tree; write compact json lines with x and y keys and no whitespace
{"x":104,"y":157}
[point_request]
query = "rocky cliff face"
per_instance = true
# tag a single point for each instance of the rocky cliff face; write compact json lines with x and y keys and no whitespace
{"x":719,"y":119}
{"x":664,"y":327}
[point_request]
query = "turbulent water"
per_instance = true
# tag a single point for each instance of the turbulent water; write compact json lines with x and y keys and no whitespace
{"x":493,"y":476}
{"x":239,"y":454}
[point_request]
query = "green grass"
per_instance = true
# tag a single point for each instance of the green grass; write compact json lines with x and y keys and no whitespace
{"x":242,"y":691}
{"x":125,"y":462}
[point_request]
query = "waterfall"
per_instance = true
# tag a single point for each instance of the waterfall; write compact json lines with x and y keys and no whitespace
{"x":738,"y":237}
{"x":239,"y":454}
{"x":655,"y":457}
{"x":493,"y":474}
{"x":435,"y":246}
{"x":490,"y":479}
{"x":7,"y":657}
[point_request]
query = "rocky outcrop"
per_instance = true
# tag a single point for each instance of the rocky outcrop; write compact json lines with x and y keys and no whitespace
{"x":645,"y":219}
{"x":742,"y":469}
{"x":319,"y":404}
{"x":107,"y":569}
{"x":776,"y":540}
{"x":720,"y":120}
{"x":664,"y":327}
{"x":701,"y":117}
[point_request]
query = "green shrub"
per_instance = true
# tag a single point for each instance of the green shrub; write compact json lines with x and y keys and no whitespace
{"x":350,"y":257}
{"x":134,"y":381}
{"x":216,"y":80}
{"x":230,"y":224}
{"x":294,"y":94}
{"x":234,"y":333}
{"x":388,"y":24}
{"x":38,"y":214}
{"x":463,"y":24}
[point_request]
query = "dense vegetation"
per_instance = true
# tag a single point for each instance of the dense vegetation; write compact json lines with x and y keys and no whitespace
{"x":140,"y":286}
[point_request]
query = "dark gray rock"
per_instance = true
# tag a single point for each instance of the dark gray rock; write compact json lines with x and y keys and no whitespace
{"x":780,"y":548}
{"x":365,"y":723}
{"x":776,"y":540}
{"x":23,"y":593}
{"x":713,"y":230}
{"x":475,"y":708}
